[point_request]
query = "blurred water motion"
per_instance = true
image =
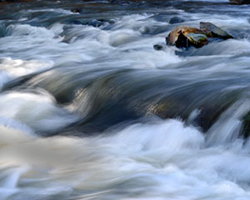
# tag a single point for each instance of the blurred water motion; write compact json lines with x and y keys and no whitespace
{"x":90,"y":110}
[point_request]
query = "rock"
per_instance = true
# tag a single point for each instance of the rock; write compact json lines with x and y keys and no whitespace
{"x":96,"y":22}
{"x":240,"y":1}
{"x":75,"y":10}
{"x":183,"y":37}
{"x":197,"y":40}
{"x":160,"y":46}
{"x":91,"y":22}
{"x":213,"y":31}
{"x":176,"y":20}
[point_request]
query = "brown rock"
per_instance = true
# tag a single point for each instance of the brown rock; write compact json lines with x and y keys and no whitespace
{"x":184,"y":36}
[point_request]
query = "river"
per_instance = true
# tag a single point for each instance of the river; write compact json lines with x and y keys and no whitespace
{"x":90,"y":110}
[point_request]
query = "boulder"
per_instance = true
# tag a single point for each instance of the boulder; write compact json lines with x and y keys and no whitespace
{"x":184,"y":36}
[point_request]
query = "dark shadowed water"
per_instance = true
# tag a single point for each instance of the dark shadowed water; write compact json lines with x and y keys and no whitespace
{"x":90,"y":110}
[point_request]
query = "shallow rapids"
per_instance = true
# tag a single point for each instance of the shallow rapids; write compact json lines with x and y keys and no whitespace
{"x":89,"y":109}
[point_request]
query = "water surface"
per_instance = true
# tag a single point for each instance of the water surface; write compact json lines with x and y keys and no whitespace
{"x":90,"y":110}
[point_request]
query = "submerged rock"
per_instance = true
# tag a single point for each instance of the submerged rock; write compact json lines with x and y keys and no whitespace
{"x":76,"y":10}
{"x":176,"y":20}
{"x":240,"y":1}
{"x":158,"y":47}
{"x":184,"y":36}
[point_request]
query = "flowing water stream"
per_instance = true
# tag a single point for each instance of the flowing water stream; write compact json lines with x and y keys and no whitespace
{"x":90,"y":110}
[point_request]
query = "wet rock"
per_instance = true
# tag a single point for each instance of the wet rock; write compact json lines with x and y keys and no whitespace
{"x":213,"y":31}
{"x":240,"y":1}
{"x":183,"y":37}
{"x":75,"y":10}
{"x":91,"y":22}
{"x":197,"y":40}
{"x":176,"y":20}
{"x":96,"y":22}
{"x":159,"y":46}
{"x":179,"y":32}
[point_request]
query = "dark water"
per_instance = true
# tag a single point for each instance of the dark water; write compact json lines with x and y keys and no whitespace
{"x":90,"y":110}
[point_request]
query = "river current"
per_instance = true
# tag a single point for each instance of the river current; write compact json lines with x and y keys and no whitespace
{"x":90,"y":110}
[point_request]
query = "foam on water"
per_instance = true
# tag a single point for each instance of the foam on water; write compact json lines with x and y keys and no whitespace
{"x":133,"y":163}
{"x":5,"y":77}
{"x":163,"y":159}
{"x":11,"y":69}
{"x":38,"y":111}
{"x":226,"y":129}
{"x":59,"y":10}
{"x":86,"y":43}
{"x":29,"y":42}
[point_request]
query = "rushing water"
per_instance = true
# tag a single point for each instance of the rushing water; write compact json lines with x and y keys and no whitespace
{"x":90,"y":110}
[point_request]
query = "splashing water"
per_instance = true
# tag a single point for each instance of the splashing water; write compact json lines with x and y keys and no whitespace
{"x":90,"y":110}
